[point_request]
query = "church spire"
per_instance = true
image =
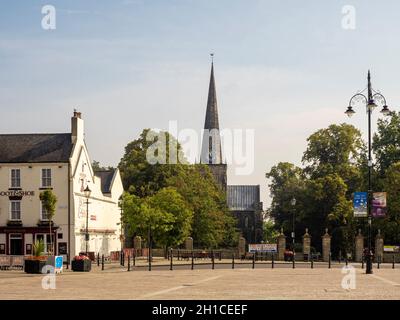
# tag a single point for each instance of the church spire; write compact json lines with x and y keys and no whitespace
{"x":211,"y":149}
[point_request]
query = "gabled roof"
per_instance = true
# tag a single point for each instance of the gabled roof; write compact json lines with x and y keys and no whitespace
{"x":106,"y":178}
{"x":23,"y":148}
{"x":243,"y":197}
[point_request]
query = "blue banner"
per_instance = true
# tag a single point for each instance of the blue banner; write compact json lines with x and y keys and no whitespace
{"x":360,"y":204}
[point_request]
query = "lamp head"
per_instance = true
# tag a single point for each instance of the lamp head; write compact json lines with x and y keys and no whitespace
{"x":350,"y":111}
{"x":385,"y":110}
{"x":87,"y":191}
{"x":371,"y":105}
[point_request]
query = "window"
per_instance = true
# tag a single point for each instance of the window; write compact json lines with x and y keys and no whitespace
{"x":43,"y":213}
{"x":15,"y":208}
{"x":46,"y":178}
{"x":47,"y":241}
{"x":15,"y":178}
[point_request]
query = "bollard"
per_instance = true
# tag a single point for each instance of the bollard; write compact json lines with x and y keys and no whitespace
{"x":220,"y":255}
{"x":120,"y":258}
{"x":212,"y":259}
{"x":312,"y":262}
{"x":254,"y":259}
{"x":98,"y":259}
{"x":233,"y":260}
{"x":149,"y":260}
{"x":293,"y":260}
{"x":379,"y":261}
{"x":192,"y":260}
{"x":67,"y":261}
{"x":346,"y":261}
{"x":123,"y":258}
{"x":129,"y":262}
{"x":329,"y":260}
{"x":102,"y":262}
{"x":172,"y":258}
{"x":272,"y":261}
{"x":340,"y":256}
{"x":362,"y":262}
{"x":178,"y":254}
{"x":393,"y":262}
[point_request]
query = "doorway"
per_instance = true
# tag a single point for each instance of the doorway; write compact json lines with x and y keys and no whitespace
{"x":16,"y":245}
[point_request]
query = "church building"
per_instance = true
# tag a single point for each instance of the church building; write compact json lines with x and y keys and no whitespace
{"x":243,"y":200}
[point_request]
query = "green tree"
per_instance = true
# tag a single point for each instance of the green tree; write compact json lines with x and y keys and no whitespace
{"x":386,"y":142}
{"x":49,"y":201}
{"x":269,"y":231}
{"x":165,"y":214}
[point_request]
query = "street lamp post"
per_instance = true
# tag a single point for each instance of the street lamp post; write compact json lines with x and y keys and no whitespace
{"x":87,"y":192}
{"x":370,"y":102}
{"x":293,"y":203}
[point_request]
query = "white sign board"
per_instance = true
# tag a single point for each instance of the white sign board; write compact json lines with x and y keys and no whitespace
{"x":263,"y":247}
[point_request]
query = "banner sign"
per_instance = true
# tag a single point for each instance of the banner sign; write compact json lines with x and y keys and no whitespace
{"x":391,"y":248}
{"x":379,"y":204}
{"x":263,"y":247}
{"x":360,"y":204}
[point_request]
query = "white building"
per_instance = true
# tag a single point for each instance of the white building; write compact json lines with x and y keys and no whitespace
{"x":31,"y":163}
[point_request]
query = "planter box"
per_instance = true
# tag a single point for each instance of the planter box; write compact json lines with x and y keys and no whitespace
{"x":34,"y":266}
{"x":81,"y":265}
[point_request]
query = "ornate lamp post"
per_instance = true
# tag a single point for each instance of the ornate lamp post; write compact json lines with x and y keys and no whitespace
{"x":87,"y":193}
{"x":373,"y":97}
{"x":293,"y":203}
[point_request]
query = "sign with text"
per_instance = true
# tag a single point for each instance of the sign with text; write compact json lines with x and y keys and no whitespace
{"x":379,"y":204}
{"x":360,"y":204}
{"x":263,"y":247}
{"x":16,"y":193}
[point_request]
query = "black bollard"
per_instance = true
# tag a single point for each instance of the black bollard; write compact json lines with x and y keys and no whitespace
{"x":120,"y":258}
{"x":272,"y":261}
{"x":192,"y":260}
{"x":178,"y":254}
{"x":312,"y":262}
{"x":293,"y":260}
{"x":134,"y":258}
{"x":129,"y":262}
{"x":102,"y":262}
{"x":123,"y":259}
{"x":212,"y":259}
{"x":149,"y":260}
{"x":362,"y":262}
{"x":347,"y":262}
{"x":233,"y":261}
{"x":329,"y":260}
{"x":171,"y":261}
{"x":393,"y":262}
{"x":254,"y":259}
{"x":340,"y":256}
{"x":379,"y":261}
{"x":98,"y":259}
{"x":220,"y":255}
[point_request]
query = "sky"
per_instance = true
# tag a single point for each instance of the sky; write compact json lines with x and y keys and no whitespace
{"x":283,"y":69}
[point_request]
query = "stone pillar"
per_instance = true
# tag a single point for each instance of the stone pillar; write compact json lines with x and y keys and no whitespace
{"x":281,"y":246}
{"x":359,"y":246}
{"x":326,"y":246}
{"x":189,"y":243}
{"x":306,"y":244}
{"x":137,"y":243}
{"x":242,"y":246}
{"x":379,"y":246}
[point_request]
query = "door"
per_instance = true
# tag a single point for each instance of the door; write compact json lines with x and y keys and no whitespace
{"x":16,"y":245}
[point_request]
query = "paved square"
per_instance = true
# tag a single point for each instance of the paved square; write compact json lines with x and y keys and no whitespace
{"x":240,"y":283}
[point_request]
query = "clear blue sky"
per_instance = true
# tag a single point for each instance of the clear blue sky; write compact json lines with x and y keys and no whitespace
{"x":283,"y":68}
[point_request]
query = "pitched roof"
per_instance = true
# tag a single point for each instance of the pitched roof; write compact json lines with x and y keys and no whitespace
{"x":243,"y":197}
{"x":20,"y":148}
{"x":106,"y":178}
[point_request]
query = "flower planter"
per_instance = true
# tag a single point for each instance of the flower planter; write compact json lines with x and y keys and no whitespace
{"x":34,"y":266}
{"x":84,"y":265}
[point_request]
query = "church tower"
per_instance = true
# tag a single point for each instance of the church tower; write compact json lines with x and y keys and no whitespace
{"x":211,"y":151}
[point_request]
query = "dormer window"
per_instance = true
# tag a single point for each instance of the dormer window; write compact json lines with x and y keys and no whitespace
{"x":15,"y":178}
{"x":46,"y":178}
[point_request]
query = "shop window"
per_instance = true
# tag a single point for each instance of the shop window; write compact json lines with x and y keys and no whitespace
{"x":46,"y":178}
{"x":15,"y":178}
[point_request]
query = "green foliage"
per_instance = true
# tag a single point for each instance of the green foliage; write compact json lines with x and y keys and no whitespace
{"x":211,"y":225}
{"x":166,"y":213}
{"x":49,"y":201}
{"x":38,"y":248}
{"x":97,"y":167}
{"x":269,"y":232}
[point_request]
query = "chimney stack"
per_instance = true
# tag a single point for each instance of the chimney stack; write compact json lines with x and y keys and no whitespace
{"x":77,"y":132}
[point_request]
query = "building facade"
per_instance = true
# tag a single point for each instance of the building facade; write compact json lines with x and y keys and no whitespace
{"x":32,"y":163}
